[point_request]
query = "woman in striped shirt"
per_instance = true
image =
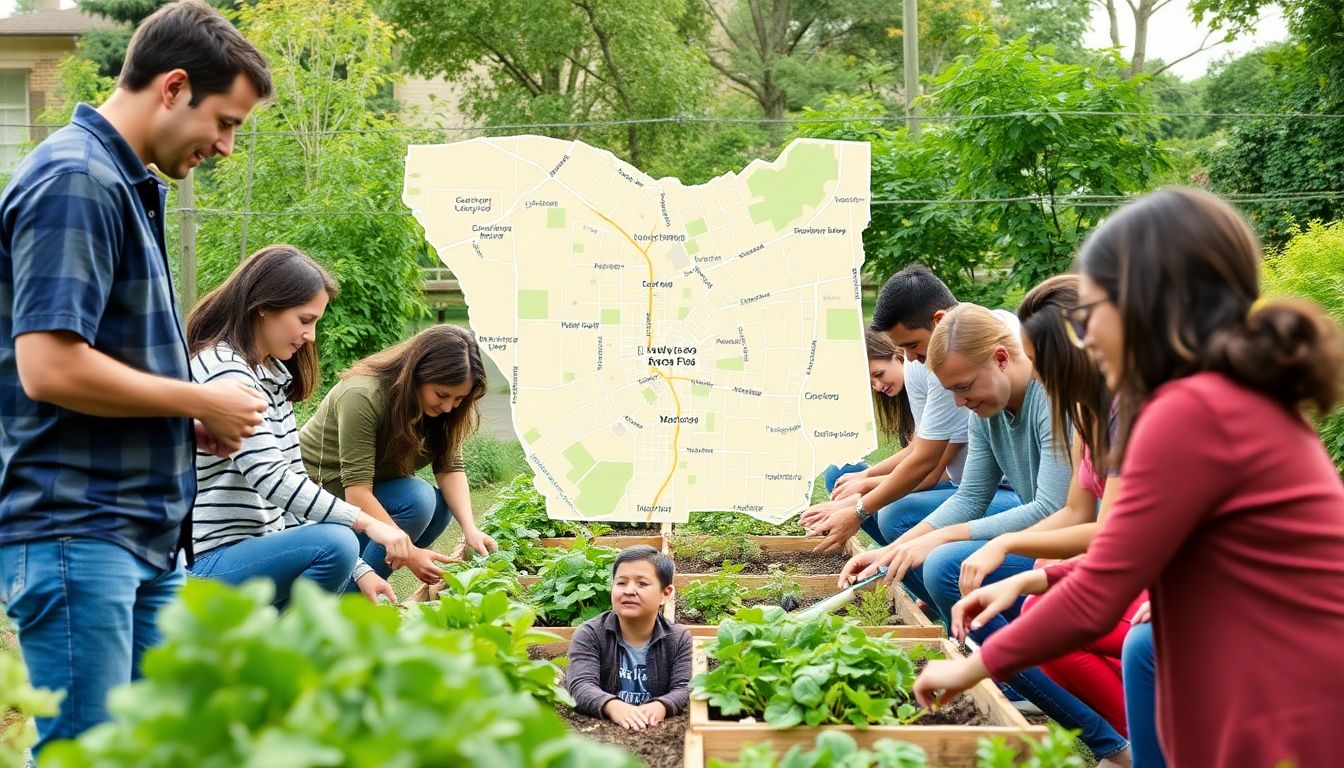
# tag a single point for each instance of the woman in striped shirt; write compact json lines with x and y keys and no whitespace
{"x":257,"y":514}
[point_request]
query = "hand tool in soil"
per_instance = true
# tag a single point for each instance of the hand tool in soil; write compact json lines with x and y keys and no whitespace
{"x":842,"y":597}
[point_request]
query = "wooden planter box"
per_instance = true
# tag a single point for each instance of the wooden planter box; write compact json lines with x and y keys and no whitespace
{"x":769,"y":544}
{"x":948,"y":746}
{"x":916,"y":624}
{"x":619,"y":542}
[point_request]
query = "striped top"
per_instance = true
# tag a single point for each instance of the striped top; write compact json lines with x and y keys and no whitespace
{"x":263,"y":487}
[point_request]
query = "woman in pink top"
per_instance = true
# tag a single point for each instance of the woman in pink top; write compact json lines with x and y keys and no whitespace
{"x":1231,"y":512}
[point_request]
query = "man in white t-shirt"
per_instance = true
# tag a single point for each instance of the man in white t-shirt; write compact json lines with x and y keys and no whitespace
{"x":908,"y":308}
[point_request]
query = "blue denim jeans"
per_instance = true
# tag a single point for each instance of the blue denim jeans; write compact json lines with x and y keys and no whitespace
{"x":893,"y":520}
{"x":940,"y":580}
{"x":1139,"y":671}
{"x":416,"y":507}
{"x":321,"y":552}
{"x":86,"y":613}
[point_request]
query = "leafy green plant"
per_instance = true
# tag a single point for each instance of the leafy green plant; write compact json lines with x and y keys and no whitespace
{"x":815,"y":670}
{"x":493,"y":572}
{"x":780,"y":583}
{"x":473,"y":601}
{"x":520,"y":515}
{"x":715,"y":549}
{"x":834,"y":749}
{"x":19,"y":703}
{"x":872,"y":608}
{"x":1054,"y":750}
{"x":738,"y":524}
{"x":331,"y":682}
{"x":717,"y":596}
{"x":1311,"y":265}
{"x":576,"y":586}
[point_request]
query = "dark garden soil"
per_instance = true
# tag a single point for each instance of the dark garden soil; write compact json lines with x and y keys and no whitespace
{"x":633,"y":529}
{"x":805,"y":562}
{"x":536,"y":652}
{"x":662,"y":746}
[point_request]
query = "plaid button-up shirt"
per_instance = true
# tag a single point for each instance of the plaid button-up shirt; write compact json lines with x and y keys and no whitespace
{"x":82,"y":250}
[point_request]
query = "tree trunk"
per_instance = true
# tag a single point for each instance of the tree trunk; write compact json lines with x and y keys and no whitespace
{"x":1114,"y":21}
{"x":1141,"y":19}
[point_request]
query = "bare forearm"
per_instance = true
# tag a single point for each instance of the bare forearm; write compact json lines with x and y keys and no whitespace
{"x":64,"y":371}
{"x":907,"y":477}
{"x":457,"y":494}
{"x":362,"y":496}
{"x":886,"y":465}
{"x":1055,"y":544}
{"x":1067,"y":517}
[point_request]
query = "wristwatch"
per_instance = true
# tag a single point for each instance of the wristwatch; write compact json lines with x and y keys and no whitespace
{"x":860,"y":511}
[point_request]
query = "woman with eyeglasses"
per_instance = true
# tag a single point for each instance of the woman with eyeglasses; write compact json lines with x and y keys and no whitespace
{"x":1079,"y":399}
{"x":1231,"y":513}
{"x":974,"y":355}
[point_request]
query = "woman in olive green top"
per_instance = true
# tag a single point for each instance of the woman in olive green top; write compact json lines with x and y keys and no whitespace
{"x":392,"y":414}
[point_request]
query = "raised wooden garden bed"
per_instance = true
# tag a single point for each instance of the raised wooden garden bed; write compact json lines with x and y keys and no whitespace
{"x":776,"y":549}
{"x":948,"y":746}
{"x":619,"y":542}
{"x":914,"y":623}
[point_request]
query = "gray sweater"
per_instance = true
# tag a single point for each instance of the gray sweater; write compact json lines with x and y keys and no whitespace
{"x":594,"y":663}
{"x":1020,"y":447}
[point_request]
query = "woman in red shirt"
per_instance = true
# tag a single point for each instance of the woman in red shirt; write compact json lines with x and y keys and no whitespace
{"x":1230,"y":512}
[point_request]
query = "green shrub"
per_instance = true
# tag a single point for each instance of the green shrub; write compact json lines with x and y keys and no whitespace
{"x":474,"y":601}
{"x":520,"y":515}
{"x":872,"y":607}
{"x":714,"y":549}
{"x":740,"y":524}
{"x":715,"y":597}
{"x":817,"y":670}
{"x":575,"y":587}
{"x":330,"y":683}
{"x":21,"y":701}
{"x":1311,"y":265}
{"x":490,"y":460}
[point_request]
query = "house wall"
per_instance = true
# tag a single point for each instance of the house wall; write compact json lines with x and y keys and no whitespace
{"x":40,"y":56}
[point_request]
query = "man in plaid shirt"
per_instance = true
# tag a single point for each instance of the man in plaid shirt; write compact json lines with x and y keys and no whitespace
{"x":98,"y":417}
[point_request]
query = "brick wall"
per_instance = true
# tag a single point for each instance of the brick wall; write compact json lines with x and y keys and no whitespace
{"x":42,"y":81}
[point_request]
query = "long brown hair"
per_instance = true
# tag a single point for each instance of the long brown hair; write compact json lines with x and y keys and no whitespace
{"x":276,"y":277}
{"x":1077,"y":390}
{"x":894,"y":416}
{"x":1183,"y":269}
{"x":442,"y":354}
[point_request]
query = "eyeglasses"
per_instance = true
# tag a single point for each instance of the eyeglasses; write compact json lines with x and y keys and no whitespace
{"x":1076,"y":320}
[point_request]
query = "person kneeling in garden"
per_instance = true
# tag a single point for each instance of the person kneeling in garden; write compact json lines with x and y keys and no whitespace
{"x":630,"y":664}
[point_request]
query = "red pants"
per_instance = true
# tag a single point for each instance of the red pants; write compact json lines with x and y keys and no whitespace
{"x":1093,"y":672}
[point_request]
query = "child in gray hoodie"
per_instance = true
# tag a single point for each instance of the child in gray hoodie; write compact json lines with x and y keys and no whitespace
{"x":630,"y":664}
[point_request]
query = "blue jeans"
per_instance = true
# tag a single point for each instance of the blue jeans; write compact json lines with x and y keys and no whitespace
{"x":321,"y":552}
{"x":893,"y":520}
{"x":940,"y":580}
{"x":417,"y":508}
{"x":1138,"y":667}
{"x":86,"y":612}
